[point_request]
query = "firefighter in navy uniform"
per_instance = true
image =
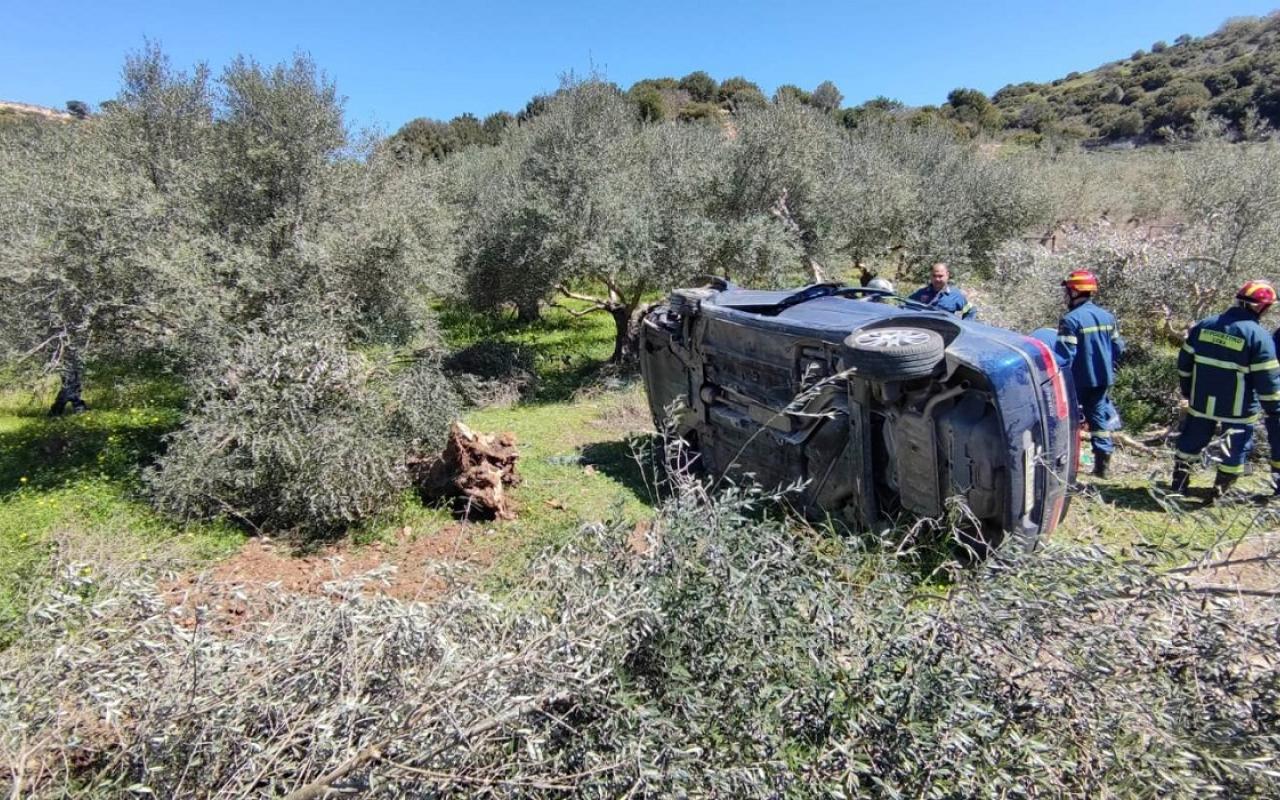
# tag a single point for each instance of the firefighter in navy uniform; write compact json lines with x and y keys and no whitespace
{"x":1227,"y":371}
{"x":1088,"y":344}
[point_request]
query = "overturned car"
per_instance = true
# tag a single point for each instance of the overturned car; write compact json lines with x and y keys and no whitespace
{"x":881,"y":408}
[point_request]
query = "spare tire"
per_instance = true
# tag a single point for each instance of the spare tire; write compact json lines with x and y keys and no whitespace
{"x":894,"y":353}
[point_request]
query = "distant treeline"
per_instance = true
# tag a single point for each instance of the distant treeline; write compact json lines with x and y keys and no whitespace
{"x":1158,"y":95}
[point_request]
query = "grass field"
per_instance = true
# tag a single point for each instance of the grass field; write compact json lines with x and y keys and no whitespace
{"x":70,"y":488}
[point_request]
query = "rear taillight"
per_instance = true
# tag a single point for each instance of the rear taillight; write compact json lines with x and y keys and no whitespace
{"x":1059,"y":384}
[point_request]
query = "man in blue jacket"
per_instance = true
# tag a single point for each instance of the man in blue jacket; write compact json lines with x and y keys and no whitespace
{"x":1227,"y":371}
{"x":940,"y":294}
{"x":1088,"y":344}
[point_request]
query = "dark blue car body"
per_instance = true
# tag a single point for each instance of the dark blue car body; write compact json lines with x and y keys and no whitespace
{"x":882,"y":409}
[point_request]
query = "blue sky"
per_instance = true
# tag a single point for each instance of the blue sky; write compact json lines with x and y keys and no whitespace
{"x":398,"y":60}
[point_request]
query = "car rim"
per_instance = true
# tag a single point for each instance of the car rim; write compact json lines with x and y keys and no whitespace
{"x":892,"y":337}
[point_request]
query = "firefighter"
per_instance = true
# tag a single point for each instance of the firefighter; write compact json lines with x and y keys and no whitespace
{"x":940,"y":294}
{"x":1227,"y":370}
{"x":1088,"y":344}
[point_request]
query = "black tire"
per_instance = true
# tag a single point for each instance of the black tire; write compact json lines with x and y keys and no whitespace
{"x":894,"y":353}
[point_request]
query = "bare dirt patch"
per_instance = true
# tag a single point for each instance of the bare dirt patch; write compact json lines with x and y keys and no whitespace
{"x":248,"y":586}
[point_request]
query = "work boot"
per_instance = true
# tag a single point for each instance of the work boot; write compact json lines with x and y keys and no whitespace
{"x":1101,"y":463}
{"x":1222,"y":484}
{"x":1181,"y":479}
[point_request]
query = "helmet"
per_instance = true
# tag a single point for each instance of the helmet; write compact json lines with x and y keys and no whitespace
{"x":1082,"y":280}
{"x":882,"y":284}
{"x":1257,"y":295}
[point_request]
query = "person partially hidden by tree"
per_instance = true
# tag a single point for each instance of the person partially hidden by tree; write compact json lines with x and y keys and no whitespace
{"x":1227,"y":370}
{"x":71,"y":371}
{"x":940,"y":294}
{"x":1088,"y":344}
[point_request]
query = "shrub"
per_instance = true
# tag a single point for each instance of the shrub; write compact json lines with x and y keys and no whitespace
{"x":649,"y":104}
{"x":1146,"y":388}
{"x":291,"y":430}
{"x":701,"y":87}
{"x":492,"y":373}
{"x":737,"y":93}
{"x":1124,"y":124}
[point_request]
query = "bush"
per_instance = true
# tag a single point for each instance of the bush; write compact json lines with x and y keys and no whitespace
{"x":1146,"y":388}
{"x":291,"y":430}
{"x":492,"y":373}
{"x":701,"y":87}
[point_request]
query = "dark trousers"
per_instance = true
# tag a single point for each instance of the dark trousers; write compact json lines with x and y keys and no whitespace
{"x":1100,"y":414}
{"x":1197,"y":431}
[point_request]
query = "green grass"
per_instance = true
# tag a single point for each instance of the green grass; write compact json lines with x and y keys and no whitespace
{"x":575,"y":434}
{"x":568,"y":352}
{"x":1132,"y":510}
{"x":577,"y":464}
{"x":69,"y":488}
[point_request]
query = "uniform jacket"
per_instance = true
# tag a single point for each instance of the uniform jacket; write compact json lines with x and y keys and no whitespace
{"x":1228,"y":368}
{"x":950,"y":299}
{"x":1088,"y":344}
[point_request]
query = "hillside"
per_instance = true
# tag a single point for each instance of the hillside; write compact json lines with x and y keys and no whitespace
{"x":1158,"y":94}
{"x":23,"y":109}
{"x":1153,"y":96}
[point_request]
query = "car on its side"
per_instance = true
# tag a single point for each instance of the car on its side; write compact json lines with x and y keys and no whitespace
{"x":882,"y":407}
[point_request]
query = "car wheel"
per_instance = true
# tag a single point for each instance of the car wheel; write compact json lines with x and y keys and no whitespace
{"x":894,"y":353}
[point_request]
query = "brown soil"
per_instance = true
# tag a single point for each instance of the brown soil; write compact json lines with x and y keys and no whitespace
{"x":247,"y":586}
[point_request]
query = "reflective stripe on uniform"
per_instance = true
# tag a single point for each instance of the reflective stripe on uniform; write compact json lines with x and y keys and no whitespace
{"x":1069,"y":339}
{"x":1181,"y":456}
{"x":1097,"y":328}
{"x":1263,"y":366}
{"x":1275,"y":464}
{"x":1229,"y":469}
{"x":1213,"y":362}
{"x":1275,"y":396}
{"x":1208,"y":415}
{"x":1184,"y":373}
{"x":1187,"y":346}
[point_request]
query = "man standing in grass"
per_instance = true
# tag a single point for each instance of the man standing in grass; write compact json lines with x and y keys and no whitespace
{"x":1227,"y":370}
{"x":940,"y":294}
{"x":1088,"y":344}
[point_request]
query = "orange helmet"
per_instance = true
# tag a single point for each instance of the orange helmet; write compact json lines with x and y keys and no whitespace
{"x":1082,"y":280}
{"x":1257,"y":295}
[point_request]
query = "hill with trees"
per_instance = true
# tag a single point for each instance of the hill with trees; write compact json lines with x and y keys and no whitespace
{"x":1157,"y":95}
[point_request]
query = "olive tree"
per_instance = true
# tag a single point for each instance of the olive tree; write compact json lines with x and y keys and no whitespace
{"x":587,"y":197}
{"x":93,"y":258}
{"x":788,"y":162}
{"x":162,"y":117}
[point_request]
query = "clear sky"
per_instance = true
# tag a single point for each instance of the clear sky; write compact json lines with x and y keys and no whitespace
{"x":398,"y":60}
